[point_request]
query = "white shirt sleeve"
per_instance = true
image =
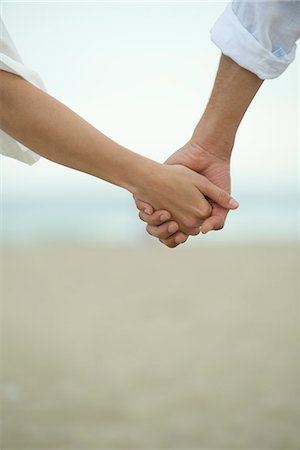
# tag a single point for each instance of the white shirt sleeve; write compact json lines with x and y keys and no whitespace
{"x":259,"y":35}
{"x":10,"y":61}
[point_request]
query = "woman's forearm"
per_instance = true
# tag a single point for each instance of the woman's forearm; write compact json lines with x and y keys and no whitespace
{"x":52,"y":130}
{"x":49,"y":128}
{"x":233,"y":91}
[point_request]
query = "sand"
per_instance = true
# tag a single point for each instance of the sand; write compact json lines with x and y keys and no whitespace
{"x":150,"y":348}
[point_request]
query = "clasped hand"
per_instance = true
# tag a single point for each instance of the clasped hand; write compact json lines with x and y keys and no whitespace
{"x":195,"y":196}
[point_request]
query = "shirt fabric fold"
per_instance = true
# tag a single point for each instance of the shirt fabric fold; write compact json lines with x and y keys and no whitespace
{"x":259,"y":36}
{"x":10,"y":61}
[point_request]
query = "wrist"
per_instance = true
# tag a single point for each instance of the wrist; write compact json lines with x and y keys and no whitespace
{"x":233,"y":91}
{"x":211,"y":135}
{"x":141,"y":175}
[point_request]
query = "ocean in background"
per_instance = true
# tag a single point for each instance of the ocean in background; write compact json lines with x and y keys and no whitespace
{"x":110,"y":218}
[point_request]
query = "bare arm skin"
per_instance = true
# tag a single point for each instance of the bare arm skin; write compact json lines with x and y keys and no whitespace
{"x":52,"y":130}
{"x":209,"y":150}
{"x":233,"y":91}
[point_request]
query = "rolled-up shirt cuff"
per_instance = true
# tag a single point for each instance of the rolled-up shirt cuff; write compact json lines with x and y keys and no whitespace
{"x":236,"y":42}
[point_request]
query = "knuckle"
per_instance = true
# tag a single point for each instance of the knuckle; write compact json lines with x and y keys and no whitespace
{"x":192,"y":231}
{"x":223,"y":197}
{"x":150,"y":220}
{"x":156,"y":215}
{"x":162,"y":234}
{"x":205,"y":211}
{"x":190,"y":222}
{"x":185,"y":222}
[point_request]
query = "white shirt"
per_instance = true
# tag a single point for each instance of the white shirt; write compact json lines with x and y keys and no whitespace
{"x":259,"y":35}
{"x":10,"y":61}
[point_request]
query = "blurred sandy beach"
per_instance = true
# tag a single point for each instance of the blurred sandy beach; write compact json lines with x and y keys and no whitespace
{"x":150,"y":348}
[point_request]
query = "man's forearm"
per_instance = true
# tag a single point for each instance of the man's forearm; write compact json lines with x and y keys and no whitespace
{"x":233,"y":91}
{"x":52,"y":130}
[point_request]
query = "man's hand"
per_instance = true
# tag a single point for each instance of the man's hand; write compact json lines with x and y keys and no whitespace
{"x":209,"y":150}
{"x":215,"y":169}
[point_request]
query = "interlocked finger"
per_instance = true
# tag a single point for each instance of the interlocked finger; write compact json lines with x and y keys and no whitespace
{"x":143,"y":206}
{"x":175,"y":240}
{"x":163,"y":231}
{"x":157,"y":218}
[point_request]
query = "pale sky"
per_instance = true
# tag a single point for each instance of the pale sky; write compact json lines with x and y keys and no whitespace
{"x":142,"y":73}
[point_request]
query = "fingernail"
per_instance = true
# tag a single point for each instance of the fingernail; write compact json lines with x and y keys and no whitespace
{"x":163,"y":218}
{"x":172,"y":228}
{"x":233,"y":203}
{"x":147,"y":211}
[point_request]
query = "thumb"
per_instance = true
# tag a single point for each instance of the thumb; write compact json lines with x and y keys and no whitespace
{"x":218,"y":195}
